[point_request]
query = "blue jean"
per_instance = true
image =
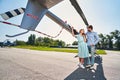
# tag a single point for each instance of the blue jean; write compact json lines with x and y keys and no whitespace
{"x":92,"y":52}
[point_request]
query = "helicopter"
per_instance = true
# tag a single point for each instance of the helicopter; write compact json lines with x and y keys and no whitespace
{"x":34,"y":12}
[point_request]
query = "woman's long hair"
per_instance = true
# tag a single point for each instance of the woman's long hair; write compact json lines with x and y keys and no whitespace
{"x":83,"y":34}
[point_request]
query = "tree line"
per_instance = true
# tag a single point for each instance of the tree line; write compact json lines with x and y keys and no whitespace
{"x":109,"y":41}
{"x":41,"y":41}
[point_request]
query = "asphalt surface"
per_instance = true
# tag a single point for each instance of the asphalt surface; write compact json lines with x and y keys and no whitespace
{"x":24,"y":64}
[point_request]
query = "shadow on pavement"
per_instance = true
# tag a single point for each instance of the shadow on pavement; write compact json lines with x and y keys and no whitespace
{"x":87,"y":74}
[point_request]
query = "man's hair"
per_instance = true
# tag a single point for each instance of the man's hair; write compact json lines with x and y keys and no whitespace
{"x":90,"y":26}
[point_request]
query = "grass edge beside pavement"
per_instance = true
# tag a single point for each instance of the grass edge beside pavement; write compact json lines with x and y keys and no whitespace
{"x":68,"y":50}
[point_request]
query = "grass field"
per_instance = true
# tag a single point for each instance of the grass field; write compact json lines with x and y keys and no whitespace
{"x":69,"y":50}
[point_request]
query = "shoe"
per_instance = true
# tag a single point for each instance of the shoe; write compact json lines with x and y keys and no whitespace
{"x":81,"y":65}
{"x":92,"y":65}
{"x":87,"y":66}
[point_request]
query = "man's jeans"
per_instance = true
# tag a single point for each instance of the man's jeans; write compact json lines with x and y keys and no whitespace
{"x":92,"y":53}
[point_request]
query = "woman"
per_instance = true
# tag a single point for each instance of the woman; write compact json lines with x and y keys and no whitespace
{"x":82,"y":46}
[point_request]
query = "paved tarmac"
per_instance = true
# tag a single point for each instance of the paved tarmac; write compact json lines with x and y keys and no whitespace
{"x":24,"y":64}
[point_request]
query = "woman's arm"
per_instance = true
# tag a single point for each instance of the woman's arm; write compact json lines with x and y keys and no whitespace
{"x":73,"y":32}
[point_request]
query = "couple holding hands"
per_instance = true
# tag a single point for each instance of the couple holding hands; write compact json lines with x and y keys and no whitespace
{"x":86,"y":45}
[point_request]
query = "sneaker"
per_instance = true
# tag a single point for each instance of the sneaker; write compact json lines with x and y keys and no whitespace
{"x":92,"y":67}
{"x":81,"y":65}
{"x":87,"y":66}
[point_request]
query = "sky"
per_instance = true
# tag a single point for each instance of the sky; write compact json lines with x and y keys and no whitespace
{"x":104,"y":15}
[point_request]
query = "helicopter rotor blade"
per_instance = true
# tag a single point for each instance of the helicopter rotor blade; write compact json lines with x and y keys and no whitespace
{"x":79,"y":10}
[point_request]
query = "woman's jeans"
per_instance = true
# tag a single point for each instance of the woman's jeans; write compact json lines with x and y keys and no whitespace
{"x":92,"y":53}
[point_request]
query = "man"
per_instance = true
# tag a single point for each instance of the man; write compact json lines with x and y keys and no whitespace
{"x":92,"y":40}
